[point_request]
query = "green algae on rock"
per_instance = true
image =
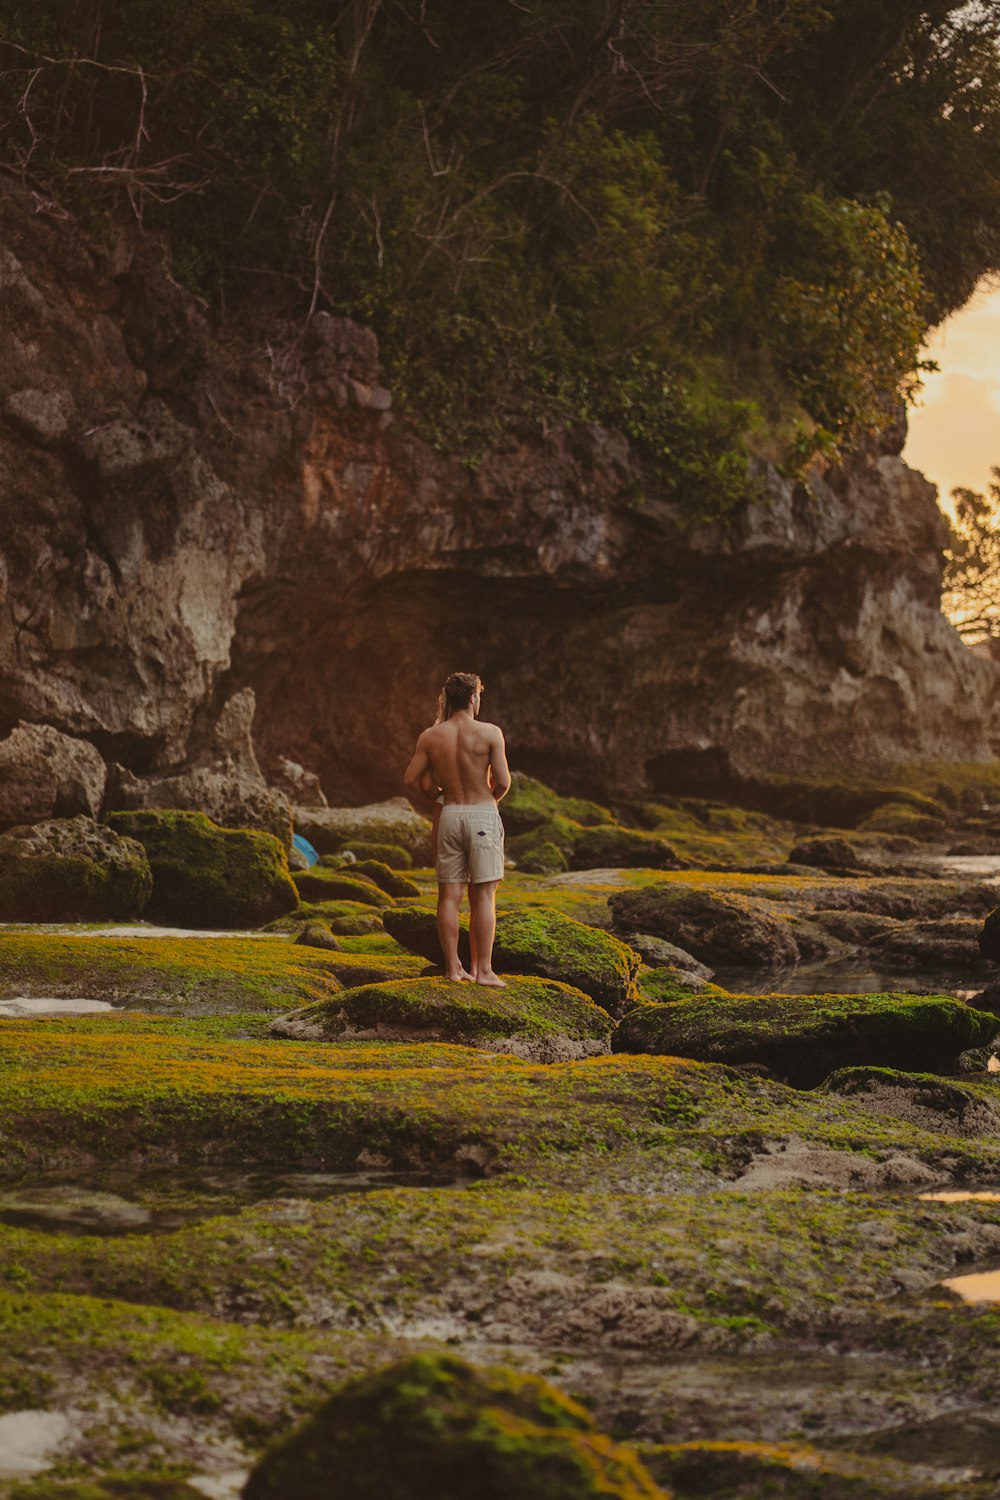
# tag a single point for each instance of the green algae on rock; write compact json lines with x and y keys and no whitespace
{"x":317,"y":935}
{"x":718,"y":928}
{"x":319,"y":884}
{"x":963,"y":1106}
{"x":539,"y":942}
{"x":200,"y":976}
{"x":71,"y":870}
{"x":331,"y":829}
{"x":207,"y":876}
{"x":611,"y":846}
{"x":804,"y":1038}
{"x":436,"y":1425}
{"x":530,"y":803}
{"x":537,"y":1019}
{"x":386,"y":879}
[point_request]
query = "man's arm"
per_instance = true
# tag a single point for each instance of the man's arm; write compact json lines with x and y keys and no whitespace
{"x":499,"y":769}
{"x":418,"y":777}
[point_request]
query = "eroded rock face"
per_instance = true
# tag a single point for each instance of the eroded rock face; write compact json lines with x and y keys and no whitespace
{"x":71,"y":870}
{"x":45,"y":774}
{"x":181,"y":528}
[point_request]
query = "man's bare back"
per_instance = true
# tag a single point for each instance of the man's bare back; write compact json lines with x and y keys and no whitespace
{"x":467,"y":760}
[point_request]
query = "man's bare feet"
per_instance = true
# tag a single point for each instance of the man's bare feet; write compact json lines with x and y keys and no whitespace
{"x":493,"y":980}
{"x":459,"y":976}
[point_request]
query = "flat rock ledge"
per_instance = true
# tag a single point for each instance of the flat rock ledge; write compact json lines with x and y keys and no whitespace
{"x":537,"y":1020}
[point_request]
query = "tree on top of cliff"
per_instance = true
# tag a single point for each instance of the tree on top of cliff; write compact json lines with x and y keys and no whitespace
{"x":722,"y":227}
{"x":972,"y":564}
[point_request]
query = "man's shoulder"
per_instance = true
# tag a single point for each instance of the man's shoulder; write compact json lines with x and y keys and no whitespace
{"x":491,"y":729}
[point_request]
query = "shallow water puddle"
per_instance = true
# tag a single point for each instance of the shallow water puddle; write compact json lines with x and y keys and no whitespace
{"x":50,"y":1005}
{"x":29,"y":1441}
{"x":161,"y":1203}
{"x":981,"y":1286}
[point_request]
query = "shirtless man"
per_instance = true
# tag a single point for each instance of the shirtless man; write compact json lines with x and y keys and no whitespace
{"x":467,"y":760}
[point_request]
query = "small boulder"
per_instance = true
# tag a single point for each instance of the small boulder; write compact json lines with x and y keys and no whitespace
{"x":71,"y":870}
{"x":539,"y":942}
{"x":361,"y":924}
{"x":318,"y":935}
{"x":323,"y":884}
{"x":46,"y":774}
{"x":803,"y":1038}
{"x":331,"y":829}
{"x":717,"y":928}
{"x":659,"y":954}
{"x":207,"y":876}
{"x":610,"y":847}
{"x":387,"y":880}
{"x":433,"y":1424}
{"x":536,"y":1019}
{"x":415,"y":928}
{"x":393,"y":855}
{"x":826,"y":854}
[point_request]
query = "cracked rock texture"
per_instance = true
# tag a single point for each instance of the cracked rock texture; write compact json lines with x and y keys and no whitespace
{"x":192,"y":513}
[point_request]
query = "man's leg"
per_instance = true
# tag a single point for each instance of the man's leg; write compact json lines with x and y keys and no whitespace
{"x":483,"y":896}
{"x":473,"y":952}
{"x":449,"y":901}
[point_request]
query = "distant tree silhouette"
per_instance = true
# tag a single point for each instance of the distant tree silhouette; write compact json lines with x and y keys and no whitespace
{"x":972,"y":571}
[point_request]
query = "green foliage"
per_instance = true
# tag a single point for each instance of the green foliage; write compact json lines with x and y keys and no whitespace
{"x":972,"y":563}
{"x":719,"y":228}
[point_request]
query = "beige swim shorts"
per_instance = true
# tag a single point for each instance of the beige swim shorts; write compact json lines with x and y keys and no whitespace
{"x":470,"y":844}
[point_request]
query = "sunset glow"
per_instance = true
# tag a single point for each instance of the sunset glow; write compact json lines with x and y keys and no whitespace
{"x":954,"y":436}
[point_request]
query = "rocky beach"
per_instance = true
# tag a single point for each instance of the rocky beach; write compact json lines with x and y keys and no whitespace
{"x":265,"y":1150}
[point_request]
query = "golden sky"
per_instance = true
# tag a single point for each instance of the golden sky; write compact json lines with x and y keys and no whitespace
{"x":955,"y":425}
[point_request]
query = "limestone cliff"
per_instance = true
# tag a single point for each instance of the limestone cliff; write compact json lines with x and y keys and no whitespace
{"x":188,"y":514}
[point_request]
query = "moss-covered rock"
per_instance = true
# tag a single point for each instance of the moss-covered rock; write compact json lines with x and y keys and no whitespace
{"x":358,"y":924}
{"x":387,"y":880}
{"x":537,"y":1019}
{"x":317,"y":935}
{"x":717,"y":928}
{"x":331,"y":829}
{"x":665,"y":986}
{"x":918,"y":821}
{"x":71,"y":870}
{"x":109,"y":1487}
{"x":322,"y":884}
{"x":989,"y":938}
{"x":187,"y":976}
{"x":530,"y":803}
{"x":610,"y":846}
{"x":825,"y":854}
{"x":539,"y":942}
{"x":536,"y":855}
{"x":207,"y":876}
{"x":434,"y":1425}
{"x":393,"y":855}
{"x":957,"y":1106}
{"x":803,"y":1038}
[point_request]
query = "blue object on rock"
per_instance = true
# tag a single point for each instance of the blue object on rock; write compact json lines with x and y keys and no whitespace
{"x":304,"y":847}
